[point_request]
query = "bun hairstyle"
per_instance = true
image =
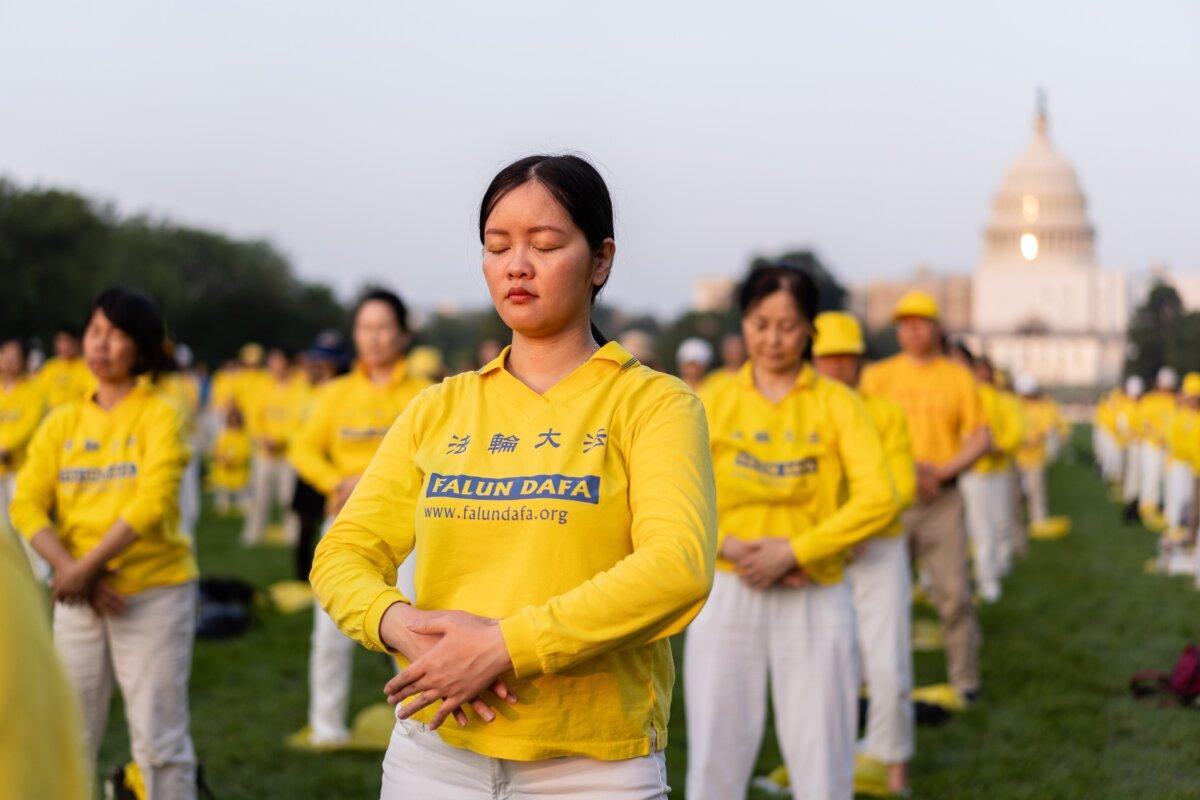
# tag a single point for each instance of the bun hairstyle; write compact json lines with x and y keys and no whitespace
{"x":136,"y":315}
{"x":578,"y":188}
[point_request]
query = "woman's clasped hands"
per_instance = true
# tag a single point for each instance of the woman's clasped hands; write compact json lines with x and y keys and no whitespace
{"x":453,"y":655}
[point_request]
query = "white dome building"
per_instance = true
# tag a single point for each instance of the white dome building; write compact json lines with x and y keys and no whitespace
{"x":1040,"y":302}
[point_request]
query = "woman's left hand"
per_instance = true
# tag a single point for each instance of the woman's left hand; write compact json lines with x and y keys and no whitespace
{"x":768,"y":562}
{"x":469,"y":658}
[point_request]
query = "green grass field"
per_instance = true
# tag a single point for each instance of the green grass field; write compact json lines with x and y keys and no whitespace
{"x":1056,"y":722}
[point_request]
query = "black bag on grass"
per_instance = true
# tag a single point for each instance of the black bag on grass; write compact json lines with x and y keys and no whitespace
{"x":226,"y":608}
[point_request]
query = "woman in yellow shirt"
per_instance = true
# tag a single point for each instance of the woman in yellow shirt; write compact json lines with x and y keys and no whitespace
{"x":98,"y":498}
{"x":561,"y":505}
{"x":231,"y":463}
{"x":801,"y":479}
{"x":348,"y":420}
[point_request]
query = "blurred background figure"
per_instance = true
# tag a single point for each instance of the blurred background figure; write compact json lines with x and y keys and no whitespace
{"x":65,"y":377}
{"x":279,"y":402}
{"x":22,"y":406}
{"x":229,"y":474}
{"x":1129,"y":424}
{"x":1044,"y":432}
{"x":641,"y":346}
{"x":692,"y":359}
{"x":487,"y":352}
{"x":1154,"y":418}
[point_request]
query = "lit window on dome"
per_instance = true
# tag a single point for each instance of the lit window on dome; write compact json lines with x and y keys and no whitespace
{"x":1029,"y":208}
{"x":1029,"y":246}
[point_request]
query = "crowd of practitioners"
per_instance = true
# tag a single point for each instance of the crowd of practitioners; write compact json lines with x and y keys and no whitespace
{"x":524,"y":537}
{"x":1147,"y":446}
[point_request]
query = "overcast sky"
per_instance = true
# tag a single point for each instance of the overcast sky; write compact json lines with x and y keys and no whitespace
{"x":358,"y":138}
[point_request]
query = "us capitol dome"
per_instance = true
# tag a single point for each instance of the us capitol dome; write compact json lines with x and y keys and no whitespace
{"x":1040,"y":303}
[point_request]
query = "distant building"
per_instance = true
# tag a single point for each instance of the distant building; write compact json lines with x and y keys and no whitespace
{"x":874,"y":302}
{"x":712,"y":294}
{"x":1040,"y":301}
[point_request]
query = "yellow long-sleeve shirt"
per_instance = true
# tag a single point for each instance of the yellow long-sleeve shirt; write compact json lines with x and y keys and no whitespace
{"x":897,"y":453}
{"x":231,"y":460}
{"x":347,"y":420}
{"x":1183,"y":436}
{"x":1043,"y":421}
{"x":1154,"y":411}
{"x":583,"y":519}
{"x":22,"y":406}
{"x":87,"y":467}
{"x":940,"y":401}
{"x":1125,"y":419}
{"x":280,"y":409}
{"x":810,"y":467}
{"x":41,"y":752}
{"x":64,"y":380}
{"x":1006,"y":426}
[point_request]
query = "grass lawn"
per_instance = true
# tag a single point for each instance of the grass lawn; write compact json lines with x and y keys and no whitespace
{"x":1078,"y":617}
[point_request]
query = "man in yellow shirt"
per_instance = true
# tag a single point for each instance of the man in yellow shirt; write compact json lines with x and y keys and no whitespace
{"x":1154,"y":419}
{"x":274,"y":418}
{"x":949,"y":434}
{"x":879,"y":573}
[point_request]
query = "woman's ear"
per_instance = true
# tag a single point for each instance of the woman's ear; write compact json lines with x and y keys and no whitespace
{"x":602,"y":263}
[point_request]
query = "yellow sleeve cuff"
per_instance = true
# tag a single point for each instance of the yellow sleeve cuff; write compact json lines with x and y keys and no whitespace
{"x":518,"y":638}
{"x":374,"y":616}
{"x":29,"y":523}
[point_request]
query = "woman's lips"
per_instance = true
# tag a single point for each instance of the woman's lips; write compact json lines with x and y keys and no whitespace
{"x":520,"y":295}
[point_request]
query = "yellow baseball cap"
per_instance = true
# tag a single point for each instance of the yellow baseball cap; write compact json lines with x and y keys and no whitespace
{"x":917,"y":304}
{"x":1191,"y":384}
{"x":837,"y":334}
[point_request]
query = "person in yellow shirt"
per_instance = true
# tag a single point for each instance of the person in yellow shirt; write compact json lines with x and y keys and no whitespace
{"x":40,"y":741}
{"x":1105,"y":438}
{"x":984,"y":487}
{"x":879,"y":573}
{"x":276,"y":414}
{"x":22,"y":406}
{"x":231,"y":457}
{"x":1183,"y":452}
{"x":949,"y":434}
{"x":1154,"y":414}
{"x":1129,"y":428}
{"x":98,"y":499}
{"x":561,"y":505}
{"x":1044,"y":427}
{"x":181,"y":386}
{"x":801,"y":479}
{"x":1014,"y":537}
{"x":65,"y":377}
{"x":348,"y":419}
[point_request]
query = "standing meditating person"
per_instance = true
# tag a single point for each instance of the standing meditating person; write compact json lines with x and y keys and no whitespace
{"x":879,"y":573}
{"x":560,"y":501}
{"x":949,"y":433}
{"x":801,"y":479}
{"x":347,"y":421}
{"x":98,"y":498}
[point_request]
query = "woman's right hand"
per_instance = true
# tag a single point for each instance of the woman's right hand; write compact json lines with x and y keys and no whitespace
{"x":395,"y":633}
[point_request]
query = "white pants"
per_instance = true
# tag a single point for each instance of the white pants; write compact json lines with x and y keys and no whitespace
{"x":271,"y":479}
{"x":420,"y":766}
{"x":881,"y":583}
{"x":1013,"y":535}
{"x":1150,"y":493}
{"x":986,"y":497}
{"x":1178,"y":495}
{"x":1133,"y":472}
{"x":8,"y":488}
{"x":804,"y":641}
{"x":148,"y":653}
{"x":331,"y":665}
{"x":1033,"y":481}
{"x":189,"y":498}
